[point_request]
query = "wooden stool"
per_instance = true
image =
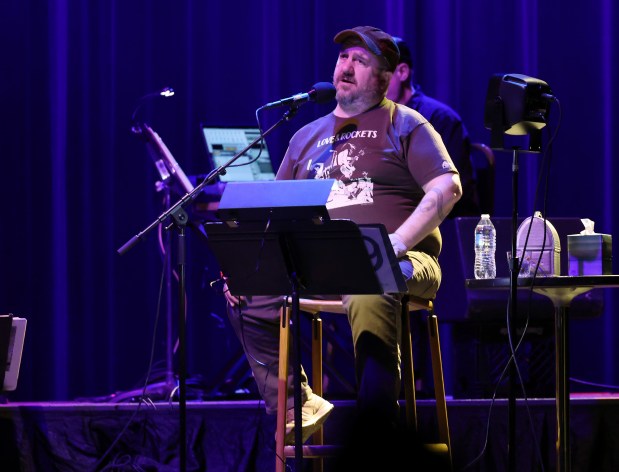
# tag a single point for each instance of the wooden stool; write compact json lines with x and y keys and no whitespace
{"x":318,"y":450}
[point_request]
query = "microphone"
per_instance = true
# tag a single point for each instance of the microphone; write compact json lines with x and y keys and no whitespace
{"x":322,"y":92}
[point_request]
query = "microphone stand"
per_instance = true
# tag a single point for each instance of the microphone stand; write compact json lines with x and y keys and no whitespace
{"x":179,"y":221}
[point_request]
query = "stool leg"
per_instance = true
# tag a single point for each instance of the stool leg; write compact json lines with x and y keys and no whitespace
{"x":408,"y":370}
{"x":282,"y":389}
{"x":318,"y":436}
{"x":439,"y":383}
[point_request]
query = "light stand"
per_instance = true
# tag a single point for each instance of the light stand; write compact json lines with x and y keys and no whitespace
{"x":172,"y":179}
{"x":516,"y":105}
{"x":168,"y":386}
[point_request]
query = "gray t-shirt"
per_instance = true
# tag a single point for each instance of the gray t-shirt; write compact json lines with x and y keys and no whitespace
{"x":380,"y":159}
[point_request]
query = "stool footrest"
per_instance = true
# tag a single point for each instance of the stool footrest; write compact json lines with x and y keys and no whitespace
{"x":325,"y":450}
{"x":437,"y":448}
{"x":310,"y":450}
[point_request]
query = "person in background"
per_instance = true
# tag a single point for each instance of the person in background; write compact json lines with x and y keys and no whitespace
{"x":408,"y":183}
{"x":402,"y":89}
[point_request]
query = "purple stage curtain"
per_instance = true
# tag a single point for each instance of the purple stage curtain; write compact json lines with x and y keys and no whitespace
{"x":77,"y":184}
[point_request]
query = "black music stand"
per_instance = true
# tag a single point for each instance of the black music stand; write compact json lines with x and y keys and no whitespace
{"x":266,"y":250}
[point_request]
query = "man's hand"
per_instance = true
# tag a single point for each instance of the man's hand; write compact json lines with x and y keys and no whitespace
{"x":398,"y":246}
{"x":232,"y":300}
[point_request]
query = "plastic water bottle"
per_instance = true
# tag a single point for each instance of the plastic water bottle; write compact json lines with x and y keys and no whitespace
{"x":485,"y":248}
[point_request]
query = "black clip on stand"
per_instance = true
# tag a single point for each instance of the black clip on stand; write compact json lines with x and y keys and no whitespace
{"x":287,"y":251}
{"x":179,"y":220}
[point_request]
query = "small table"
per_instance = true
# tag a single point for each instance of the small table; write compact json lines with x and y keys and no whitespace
{"x":561,"y":290}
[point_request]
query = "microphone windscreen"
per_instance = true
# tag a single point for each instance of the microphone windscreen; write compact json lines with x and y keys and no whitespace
{"x":322,"y":92}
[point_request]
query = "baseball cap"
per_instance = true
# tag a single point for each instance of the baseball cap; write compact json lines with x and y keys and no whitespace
{"x":374,"y":40}
{"x":405,"y":52}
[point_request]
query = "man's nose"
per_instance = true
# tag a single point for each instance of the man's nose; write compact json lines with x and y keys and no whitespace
{"x":348,"y":67}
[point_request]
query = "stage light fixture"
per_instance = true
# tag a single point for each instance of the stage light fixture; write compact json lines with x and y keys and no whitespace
{"x":517,"y":105}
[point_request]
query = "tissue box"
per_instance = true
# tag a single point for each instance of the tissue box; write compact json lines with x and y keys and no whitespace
{"x":589,"y":254}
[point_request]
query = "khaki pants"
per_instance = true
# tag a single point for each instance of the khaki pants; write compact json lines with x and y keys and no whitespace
{"x":376,"y":326}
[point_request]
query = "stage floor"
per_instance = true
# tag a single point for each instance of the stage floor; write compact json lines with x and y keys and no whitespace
{"x":237,"y":435}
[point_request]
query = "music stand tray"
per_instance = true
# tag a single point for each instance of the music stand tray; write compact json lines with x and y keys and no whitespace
{"x":324,"y":259}
{"x":281,"y":229}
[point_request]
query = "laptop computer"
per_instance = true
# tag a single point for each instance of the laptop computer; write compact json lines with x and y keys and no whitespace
{"x":225,"y":142}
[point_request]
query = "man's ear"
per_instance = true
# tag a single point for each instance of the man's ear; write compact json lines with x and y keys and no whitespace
{"x":405,"y":72}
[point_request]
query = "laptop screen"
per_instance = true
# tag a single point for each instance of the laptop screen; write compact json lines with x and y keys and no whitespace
{"x":223,"y":143}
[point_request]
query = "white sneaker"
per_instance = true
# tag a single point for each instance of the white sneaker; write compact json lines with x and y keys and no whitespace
{"x":314,"y":412}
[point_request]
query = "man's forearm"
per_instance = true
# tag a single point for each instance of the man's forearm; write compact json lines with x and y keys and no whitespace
{"x":441,"y":196}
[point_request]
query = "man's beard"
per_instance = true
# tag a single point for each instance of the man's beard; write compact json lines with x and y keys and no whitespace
{"x":359,"y":100}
